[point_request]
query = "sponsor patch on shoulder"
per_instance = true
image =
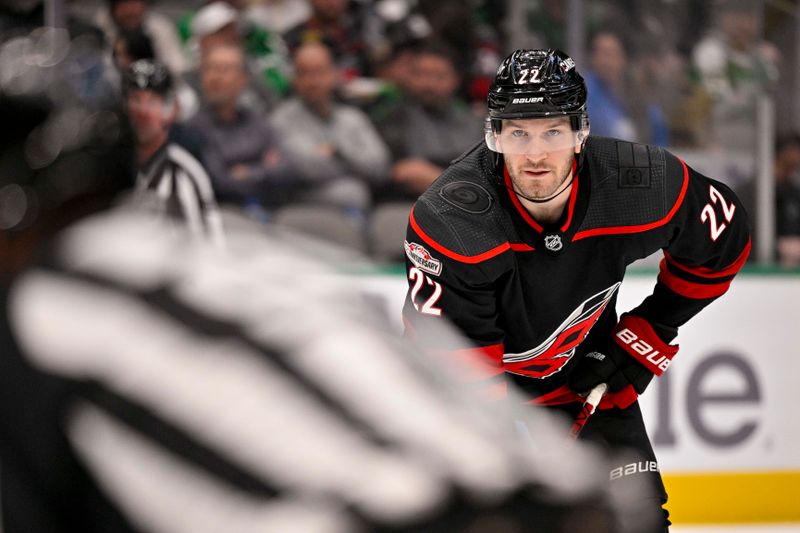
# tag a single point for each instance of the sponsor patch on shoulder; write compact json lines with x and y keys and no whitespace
{"x":422,"y":258}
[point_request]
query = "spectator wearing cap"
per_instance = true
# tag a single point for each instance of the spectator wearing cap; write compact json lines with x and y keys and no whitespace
{"x":266,"y":55}
{"x":430,"y":128}
{"x":247,"y":163}
{"x":336,"y":148}
{"x":168,"y":176}
{"x":129,"y":15}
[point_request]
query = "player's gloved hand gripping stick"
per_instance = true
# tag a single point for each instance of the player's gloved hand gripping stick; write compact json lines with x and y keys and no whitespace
{"x":635,"y":354}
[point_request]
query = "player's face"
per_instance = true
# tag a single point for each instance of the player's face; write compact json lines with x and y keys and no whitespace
{"x":545,"y":164}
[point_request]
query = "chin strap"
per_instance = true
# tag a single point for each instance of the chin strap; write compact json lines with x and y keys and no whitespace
{"x":545,"y":200}
{"x":575,"y":169}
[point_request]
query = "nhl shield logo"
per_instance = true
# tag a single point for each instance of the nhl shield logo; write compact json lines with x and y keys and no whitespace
{"x":553,"y":242}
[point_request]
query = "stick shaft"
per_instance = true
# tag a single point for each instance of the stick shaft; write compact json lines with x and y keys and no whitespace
{"x":589,"y":406}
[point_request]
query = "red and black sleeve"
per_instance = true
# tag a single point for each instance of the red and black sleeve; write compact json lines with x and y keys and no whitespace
{"x":709,"y":242}
{"x":447,"y":288}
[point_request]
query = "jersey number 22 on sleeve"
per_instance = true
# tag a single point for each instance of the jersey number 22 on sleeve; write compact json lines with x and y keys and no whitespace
{"x":708,"y":213}
{"x":419,"y":278}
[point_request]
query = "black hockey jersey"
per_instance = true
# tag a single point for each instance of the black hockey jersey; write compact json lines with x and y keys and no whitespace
{"x":534,"y":298}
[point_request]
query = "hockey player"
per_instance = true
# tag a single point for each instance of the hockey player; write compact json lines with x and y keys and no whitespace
{"x":523,"y":242}
{"x":150,"y":382}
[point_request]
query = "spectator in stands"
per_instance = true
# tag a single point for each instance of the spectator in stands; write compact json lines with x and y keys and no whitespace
{"x":430,"y":128}
{"x":787,"y":199}
{"x":661,"y":76}
{"x":128,"y":15}
{"x":395,"y":71}
{"x":248,"y":166}
{"x":454,"y":24}
{"x":336,"y":148}
{"x":168,"y":175}
{"x":616,"y":107}
{"x":734,"y":65}
{"x":131,"y":46}
{"x":227,"y":22}
{"x":332,"y":24}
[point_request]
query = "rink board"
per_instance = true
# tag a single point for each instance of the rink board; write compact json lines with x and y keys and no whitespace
{"x":724,"y":420}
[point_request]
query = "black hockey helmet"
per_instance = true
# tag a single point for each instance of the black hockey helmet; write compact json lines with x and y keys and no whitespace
{"x":148,"y":75}
{"x":537,"y":84}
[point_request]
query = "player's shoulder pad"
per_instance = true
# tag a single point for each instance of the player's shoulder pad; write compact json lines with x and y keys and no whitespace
{"x":459,"y":214}
{"x":633,"y":185}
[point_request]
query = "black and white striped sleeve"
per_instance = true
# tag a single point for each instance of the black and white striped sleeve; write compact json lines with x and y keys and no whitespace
{"x":196,"y":195}
{"x":215,"y":395}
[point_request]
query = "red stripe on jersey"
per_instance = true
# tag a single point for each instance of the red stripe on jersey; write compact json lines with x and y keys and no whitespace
{"x":560,"y":396}
{"x":689,"y":289}
{"x":515,"y":200}
{"x":471,"y":259}
{"x":573,"y":197}
{"x":493,"y":352}
{"x":621,"y":398}
{"x":616,"y":230}
{"x":705,"y":272}
{"x":526,"y":216}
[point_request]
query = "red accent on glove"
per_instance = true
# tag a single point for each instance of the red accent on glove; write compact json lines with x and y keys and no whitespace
{"x":636,"y":336}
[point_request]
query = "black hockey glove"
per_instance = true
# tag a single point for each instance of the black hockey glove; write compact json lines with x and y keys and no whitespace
{"x":633,"y":356}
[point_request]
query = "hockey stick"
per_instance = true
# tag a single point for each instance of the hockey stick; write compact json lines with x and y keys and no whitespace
{"x":589,"y":406}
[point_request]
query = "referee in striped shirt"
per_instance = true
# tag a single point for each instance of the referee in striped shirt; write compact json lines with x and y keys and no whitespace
{"x":169,"y":176}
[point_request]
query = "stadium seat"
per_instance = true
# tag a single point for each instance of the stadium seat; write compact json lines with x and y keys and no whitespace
{"x":330,"y":224}
{"x":386,"y":230}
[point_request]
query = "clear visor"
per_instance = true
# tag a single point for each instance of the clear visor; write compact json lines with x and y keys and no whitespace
{"x":532,"y":135}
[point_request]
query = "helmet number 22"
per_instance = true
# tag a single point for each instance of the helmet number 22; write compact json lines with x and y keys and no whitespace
{"x":709,"y":214}
{"x":420,"y":279}
{"x":528,"y":75}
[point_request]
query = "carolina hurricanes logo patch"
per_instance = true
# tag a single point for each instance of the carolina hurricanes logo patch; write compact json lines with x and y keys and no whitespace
{"x":557,"y":349}
{"x":422,"y":258}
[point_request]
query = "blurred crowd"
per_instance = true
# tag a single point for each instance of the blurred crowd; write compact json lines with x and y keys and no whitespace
{"x":332,"y":116}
